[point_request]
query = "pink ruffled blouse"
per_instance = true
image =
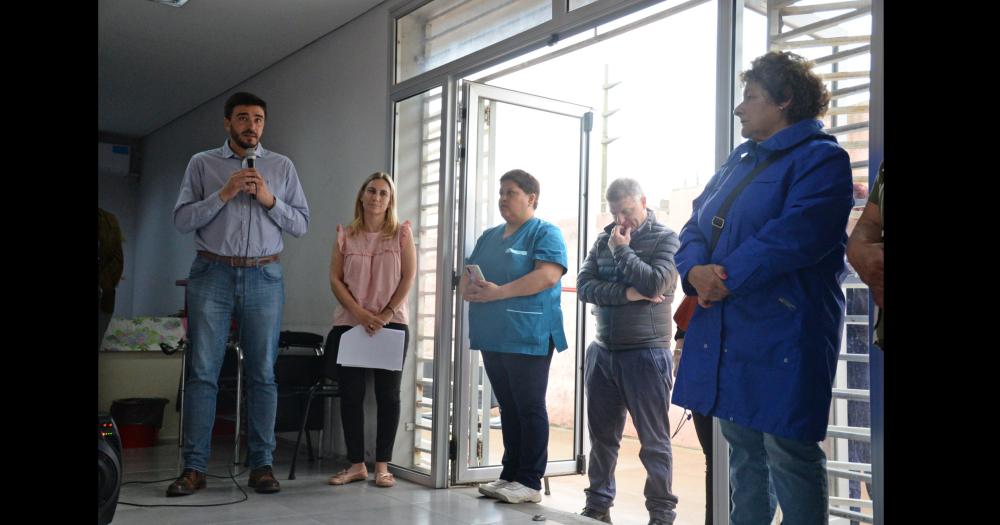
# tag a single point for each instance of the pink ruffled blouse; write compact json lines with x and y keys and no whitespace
{"x":372,"y":272}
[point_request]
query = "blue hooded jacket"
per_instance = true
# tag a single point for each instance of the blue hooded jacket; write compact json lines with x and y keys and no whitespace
{"x":765,"y":357}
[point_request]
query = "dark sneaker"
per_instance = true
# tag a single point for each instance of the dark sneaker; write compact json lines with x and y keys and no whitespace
{"x":599,"y":515}
{"x":189,"y":481}
{"x":262,"y":480}
{"x":658,"y":521}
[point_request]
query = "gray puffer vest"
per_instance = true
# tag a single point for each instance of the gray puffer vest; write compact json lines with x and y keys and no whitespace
{"x":647,"y":264}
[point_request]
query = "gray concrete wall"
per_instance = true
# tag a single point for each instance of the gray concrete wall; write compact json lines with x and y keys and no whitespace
{"x":327,"y":112}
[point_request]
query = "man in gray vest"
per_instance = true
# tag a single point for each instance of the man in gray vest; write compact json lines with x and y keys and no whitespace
{"x":629,"y":276}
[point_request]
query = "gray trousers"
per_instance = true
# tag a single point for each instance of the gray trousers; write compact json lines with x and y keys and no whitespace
{"x":638,"y":381}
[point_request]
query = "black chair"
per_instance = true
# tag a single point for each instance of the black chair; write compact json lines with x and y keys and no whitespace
{"x":304,"y":380}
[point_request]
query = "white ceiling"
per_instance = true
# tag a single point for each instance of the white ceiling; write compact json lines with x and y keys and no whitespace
{"x":157,"y":62}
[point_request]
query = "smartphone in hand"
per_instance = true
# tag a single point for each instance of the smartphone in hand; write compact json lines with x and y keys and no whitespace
{"x":475,"y":273}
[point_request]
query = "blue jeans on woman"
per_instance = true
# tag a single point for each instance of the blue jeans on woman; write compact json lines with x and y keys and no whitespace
{"x":796,"y":471}
{"x":217,"y":293}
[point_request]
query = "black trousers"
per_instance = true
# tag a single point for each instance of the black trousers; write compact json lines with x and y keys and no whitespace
{"x":352,"y":397}
{"x":703,"y":427}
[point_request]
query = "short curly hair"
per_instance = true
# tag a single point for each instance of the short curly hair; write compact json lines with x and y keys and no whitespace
{"x":785,"y":76}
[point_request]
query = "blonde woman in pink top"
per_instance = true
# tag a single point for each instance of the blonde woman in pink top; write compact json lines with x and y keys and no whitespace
{"x":371,"y":272}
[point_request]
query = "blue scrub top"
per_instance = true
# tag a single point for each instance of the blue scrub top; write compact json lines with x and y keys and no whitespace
{"x":519,"y":325}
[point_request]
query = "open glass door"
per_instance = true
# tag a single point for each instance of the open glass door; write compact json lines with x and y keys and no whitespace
{"x":503,"y":130}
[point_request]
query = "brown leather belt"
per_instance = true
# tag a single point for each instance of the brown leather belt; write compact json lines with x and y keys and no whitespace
{"x":238,"y":262}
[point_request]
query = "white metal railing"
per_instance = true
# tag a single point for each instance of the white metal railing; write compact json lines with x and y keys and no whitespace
{"x":830,"y":35}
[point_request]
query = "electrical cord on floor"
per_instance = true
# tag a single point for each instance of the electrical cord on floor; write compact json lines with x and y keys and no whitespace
{"x":231,"y":476}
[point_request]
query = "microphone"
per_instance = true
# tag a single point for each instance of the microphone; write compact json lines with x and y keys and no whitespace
{"x":251,"y":156}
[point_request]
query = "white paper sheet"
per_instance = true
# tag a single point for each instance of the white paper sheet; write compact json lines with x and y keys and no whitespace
{"x":382,"y":350}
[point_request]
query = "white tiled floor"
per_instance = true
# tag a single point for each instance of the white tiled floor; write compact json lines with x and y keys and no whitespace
{"x":307,"y":499}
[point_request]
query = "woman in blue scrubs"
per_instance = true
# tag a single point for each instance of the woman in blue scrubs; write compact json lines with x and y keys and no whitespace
{"x":515,"y":320}
{"x":761,"y":350}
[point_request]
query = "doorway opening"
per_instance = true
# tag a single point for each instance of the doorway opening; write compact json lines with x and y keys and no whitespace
{"x":654,"y":121}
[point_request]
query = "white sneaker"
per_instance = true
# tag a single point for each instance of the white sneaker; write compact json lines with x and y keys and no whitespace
{"x":490,"y":489}
{"x":515,"y":492}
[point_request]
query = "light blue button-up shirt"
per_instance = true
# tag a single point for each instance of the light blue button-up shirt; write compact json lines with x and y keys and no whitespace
{"x":224,"y":228}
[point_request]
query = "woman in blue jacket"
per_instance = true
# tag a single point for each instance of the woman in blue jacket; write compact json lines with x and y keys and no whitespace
{"x":515,"y":320}
{"x":761,"y":350}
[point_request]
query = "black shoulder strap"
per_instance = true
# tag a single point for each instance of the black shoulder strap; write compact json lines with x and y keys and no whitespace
{"x":719,"y":221}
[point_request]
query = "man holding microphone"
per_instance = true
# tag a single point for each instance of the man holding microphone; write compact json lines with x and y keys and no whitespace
{"x":238,"y":200}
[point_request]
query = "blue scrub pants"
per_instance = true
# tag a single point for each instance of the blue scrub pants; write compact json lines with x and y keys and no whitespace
{"x":519,"y":382}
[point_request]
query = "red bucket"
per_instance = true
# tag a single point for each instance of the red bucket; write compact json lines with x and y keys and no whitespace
{"x":138,"y":436}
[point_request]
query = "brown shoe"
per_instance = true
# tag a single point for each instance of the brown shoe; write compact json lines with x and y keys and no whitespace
{"x":262,"y":480}
{"x":189,"y":481}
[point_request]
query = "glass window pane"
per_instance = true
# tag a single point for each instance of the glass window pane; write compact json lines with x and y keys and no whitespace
{"x":575,"y":4}
{"x":446,"y":30}
{"x":639,"y":15}
{"x":416,"y":168}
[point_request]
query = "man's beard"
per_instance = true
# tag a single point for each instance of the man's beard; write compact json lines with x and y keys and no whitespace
{"x":239,"y":142}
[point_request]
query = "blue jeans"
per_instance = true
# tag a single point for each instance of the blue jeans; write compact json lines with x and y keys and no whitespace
{"x":638,"y":381}
{"x":795,"y":469}
{"x":519,"y":382}
{"x":216,"y":293}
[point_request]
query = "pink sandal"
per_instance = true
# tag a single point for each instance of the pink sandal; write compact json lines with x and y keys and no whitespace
{"x":344,"y":477}
{"x":384,"y":479}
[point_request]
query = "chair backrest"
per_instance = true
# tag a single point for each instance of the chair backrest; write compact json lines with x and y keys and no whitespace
{"x":295,"y":373}
{"x":297,"y":370}
{"x":289,"y":339}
